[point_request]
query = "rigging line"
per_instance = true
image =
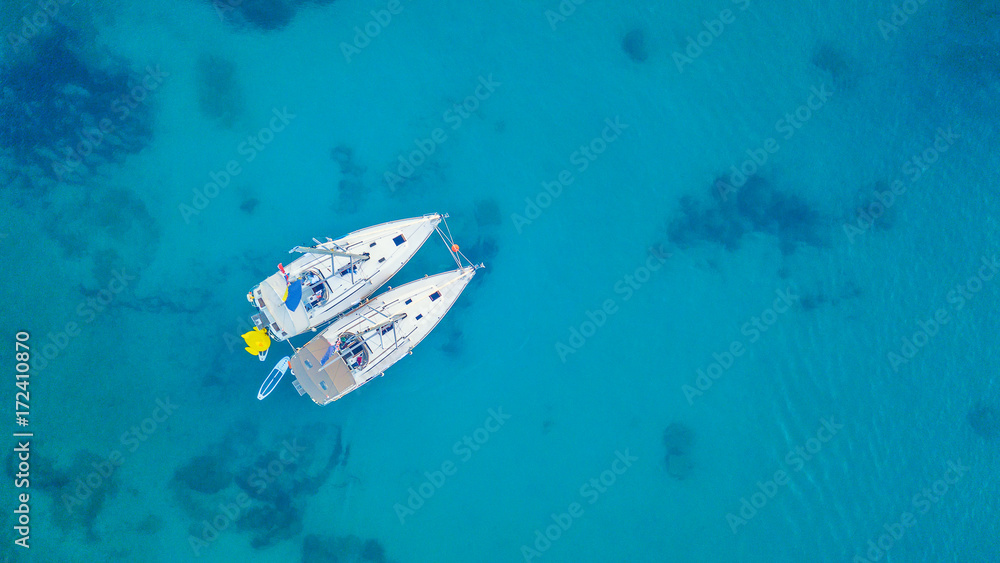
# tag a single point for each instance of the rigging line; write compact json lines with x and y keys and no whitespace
{"x":449,"y":244}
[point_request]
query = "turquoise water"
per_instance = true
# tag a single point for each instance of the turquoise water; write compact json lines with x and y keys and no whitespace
{"x":739,"y":301}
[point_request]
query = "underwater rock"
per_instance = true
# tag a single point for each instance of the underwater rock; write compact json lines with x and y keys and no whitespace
{"x":634,"y":45}
{"x":452,"y":346}
{"x":350,"y":195}
{"x":78,"y":503}
{"x":151,"y":524}
{"x":342,"y":549}
{"x":813,"y":299}
{"x":204,"y":474}
{"x":756,"y":207}
{"x":249,"y":205}
{"x":317,"y":550}
{"x":832,"y":61}
{"x":270,"y":524}
{"x":344,"y":156}
{"x":695,"y":224}
{"x":351,"y":189}
{"x":547,"y":425}
{"x":52,"y":102}
{"x":264,"y":15}
{"x":679,"y":466}
{"x":678,"y":439}
{"x":985,"y":421}
{"x":268,"y":15}
{"x":111,"y":227}
{"x":487,"y":213}
{"x":484,"y":249}
{"x":220,"y":96}
{"x":285,"y":472}
{"x":870,"y":211}
{"x":373,"y":551}
{"x":78,"y":493}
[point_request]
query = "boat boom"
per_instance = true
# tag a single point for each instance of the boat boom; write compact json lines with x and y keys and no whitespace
{"x":312,"y":250}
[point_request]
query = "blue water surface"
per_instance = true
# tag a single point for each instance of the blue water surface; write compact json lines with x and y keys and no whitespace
{"x":739,"y":303}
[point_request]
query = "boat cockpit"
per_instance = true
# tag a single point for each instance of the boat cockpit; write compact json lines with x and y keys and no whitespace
{"x":314,"y":290}
{"x":352,"y":348}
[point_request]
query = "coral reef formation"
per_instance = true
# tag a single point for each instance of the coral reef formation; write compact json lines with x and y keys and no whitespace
{"x":756,"y":206}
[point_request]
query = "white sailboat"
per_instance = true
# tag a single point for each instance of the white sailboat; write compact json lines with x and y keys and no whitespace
{"x":365,"y":342}
{"x":332,"y":277}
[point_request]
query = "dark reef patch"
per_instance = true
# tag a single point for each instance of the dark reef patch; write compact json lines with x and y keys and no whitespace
{"x":267,"y":15}
{"x":220,"y":96}
{"x":487,"y":213}
{"x":351,"y":192}
{"x":275,"y":486}
{"x":833,"y":62}
{"x":634,"y":45}
{"x":318,"y":550}
{"x":870,"y":210}
{"x":204,"y":474}
{"x":110,"y":225}
{"x":342,"y":549}
{"x":78,"y":492}
{"x":453,"y":342}
{"x":757,"y":206}
{"x":372,"y":551}
{"x":249,"y":205}
{"x":60,"y":118}
{"x":547,"y":425}
{"x":151,"y":524}
{"x":262,"y":15}
{"x":965,"y":51}
{"x":678,"y":440}
{"x":484,"y":249}
{"x":985,"y":421}
{"x":811,"y":300}
{"x":271,"y":523}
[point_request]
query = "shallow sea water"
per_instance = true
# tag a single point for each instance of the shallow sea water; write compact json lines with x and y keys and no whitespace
{"x":739,"y":301}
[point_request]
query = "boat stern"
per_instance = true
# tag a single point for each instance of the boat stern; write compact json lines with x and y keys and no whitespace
{"x":323,"y":382}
